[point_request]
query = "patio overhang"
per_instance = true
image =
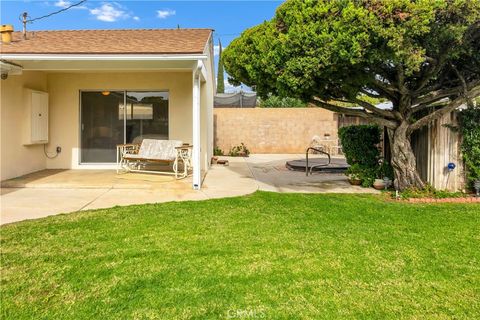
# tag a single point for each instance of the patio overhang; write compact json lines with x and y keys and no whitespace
{"x":103,"y":62}
{"x":72,"y":63}
{"x":10,"y":68}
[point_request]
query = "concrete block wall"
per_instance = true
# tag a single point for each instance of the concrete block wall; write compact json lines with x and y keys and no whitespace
{"x":275,"y":130}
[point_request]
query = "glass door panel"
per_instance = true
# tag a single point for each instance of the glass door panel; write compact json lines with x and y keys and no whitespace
{"x":146,"y":116}
{"x":102,"y":125}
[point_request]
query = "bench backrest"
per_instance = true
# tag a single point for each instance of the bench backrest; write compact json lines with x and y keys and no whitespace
{"x":159,"y":149}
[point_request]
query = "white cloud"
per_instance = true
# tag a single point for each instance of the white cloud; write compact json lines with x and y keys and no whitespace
{"x":66,"y":3}
{"x":110,"y":12}
{"x":136,"y":18}
{"x":163,"y":14}
{"x":62,"y":3}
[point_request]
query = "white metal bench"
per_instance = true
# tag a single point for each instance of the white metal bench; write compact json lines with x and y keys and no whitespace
{"x":135,"y":157}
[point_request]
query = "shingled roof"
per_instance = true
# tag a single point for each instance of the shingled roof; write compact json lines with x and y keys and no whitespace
{"x":131,"y":41}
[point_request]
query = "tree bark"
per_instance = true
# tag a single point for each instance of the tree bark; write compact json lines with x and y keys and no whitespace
{"x":403,"y":159}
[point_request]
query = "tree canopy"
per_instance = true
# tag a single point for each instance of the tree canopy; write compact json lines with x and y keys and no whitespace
{"x":423,"y":56}
{"x":338,"y":49}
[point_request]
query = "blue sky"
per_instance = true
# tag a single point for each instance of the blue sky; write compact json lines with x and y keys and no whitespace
{"x":227,"y":18}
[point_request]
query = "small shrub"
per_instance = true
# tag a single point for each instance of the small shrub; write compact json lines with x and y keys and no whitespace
{"x":429,"y":192}
{"x":469,"y":120}
{"x":359,"y":144}
{"x":368,"y":175}
{"x":239,"y":151}
{"x":217,"y":151}
{"x":282,"y":102}
{"x":363,"y":173}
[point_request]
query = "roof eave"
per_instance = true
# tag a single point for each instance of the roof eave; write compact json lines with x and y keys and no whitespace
{"x":103,"y":57}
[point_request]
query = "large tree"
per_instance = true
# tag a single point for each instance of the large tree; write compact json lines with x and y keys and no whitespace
{"x":423,"y":56}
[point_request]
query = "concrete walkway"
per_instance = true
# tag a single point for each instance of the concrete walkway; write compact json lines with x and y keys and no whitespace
{"x":52,"y":192}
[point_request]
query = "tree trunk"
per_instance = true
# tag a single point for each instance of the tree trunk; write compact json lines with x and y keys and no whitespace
{"x":403,"y":159}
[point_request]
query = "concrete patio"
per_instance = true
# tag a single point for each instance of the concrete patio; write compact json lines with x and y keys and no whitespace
{"x":52,"y":192}
{"x":271,"y":174}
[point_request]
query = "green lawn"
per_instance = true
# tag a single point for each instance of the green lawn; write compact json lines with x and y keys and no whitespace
{"x":270,"y":256}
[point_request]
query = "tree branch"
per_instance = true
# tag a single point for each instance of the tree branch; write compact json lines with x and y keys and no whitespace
{"x":384,"y":89}
{"x":374,"y":109}
{"x":435,"y":67}
{"x":420,"y":107}
{"x":317,"y":102}
{"x":401,"y":80}
{"x":464,"y":85}
{"x":448,"y":108}
{"x":437,"y":95}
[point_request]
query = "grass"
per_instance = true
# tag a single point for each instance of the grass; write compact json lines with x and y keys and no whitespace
{"x":267,"y":255}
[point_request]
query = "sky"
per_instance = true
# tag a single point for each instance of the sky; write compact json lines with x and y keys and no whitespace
{"x":228,"y":18}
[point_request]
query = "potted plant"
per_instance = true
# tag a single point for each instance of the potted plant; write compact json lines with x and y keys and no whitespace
{"x":354,"y":173}
{"x":239,"y":151}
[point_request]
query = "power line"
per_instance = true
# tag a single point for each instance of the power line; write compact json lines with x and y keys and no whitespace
{"x":24,"y":16}
{"x":56,"y":12}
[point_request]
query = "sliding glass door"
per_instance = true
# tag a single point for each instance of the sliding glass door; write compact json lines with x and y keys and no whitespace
{"x":102,"y":128}
{"x":109,"y":118}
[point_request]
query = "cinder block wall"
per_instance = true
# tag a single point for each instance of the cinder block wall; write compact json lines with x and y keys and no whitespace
{"x":274,"y":130}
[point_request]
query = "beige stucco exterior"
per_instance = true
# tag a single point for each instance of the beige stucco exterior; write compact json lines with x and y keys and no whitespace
{"x":15,"y":158}
{"x":64,"y":113}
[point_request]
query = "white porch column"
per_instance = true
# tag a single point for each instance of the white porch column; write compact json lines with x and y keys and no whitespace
{"x":197,"y":179}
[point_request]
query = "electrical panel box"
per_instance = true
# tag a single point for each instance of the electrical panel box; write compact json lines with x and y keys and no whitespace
{"x":36,"y":117}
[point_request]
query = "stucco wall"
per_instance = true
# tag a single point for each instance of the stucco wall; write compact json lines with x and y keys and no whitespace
{"x":64,"y":91}
{"x":274,"y":130}
{"x":16,"y":158}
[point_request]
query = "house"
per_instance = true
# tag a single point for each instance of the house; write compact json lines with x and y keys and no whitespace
{"x":69,"y":97}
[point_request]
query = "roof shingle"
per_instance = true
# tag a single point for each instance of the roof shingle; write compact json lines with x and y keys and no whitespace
{"x":129,"y":41}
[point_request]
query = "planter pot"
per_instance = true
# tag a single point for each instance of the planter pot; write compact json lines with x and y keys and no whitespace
{"x":388,"y":182}
{"x":476,"y":185}
{"x":379,"y":184}
{"x":355,"y":181}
